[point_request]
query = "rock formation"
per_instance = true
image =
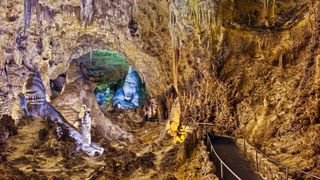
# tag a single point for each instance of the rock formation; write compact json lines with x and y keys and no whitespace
{"x":128,"y":95}
{"x":34,"y":105}
{"x":251,"y":68}
{"x":78,"y":91}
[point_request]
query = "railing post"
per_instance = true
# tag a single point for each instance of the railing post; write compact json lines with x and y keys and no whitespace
{"x":287,"y":172}
{"x":257,"y":161}
{"x":221,"y":169}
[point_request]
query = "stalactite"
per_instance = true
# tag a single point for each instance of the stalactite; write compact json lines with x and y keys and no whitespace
{"x":27,"y":12}
{"x":86,"y":11}
{"x":71,"y":10}
{"x":204,"y":15}
{"x":173,"y":28}
{"x":266,"y":11}
{"x":175,"y":68}
{"x":273,"y":11}
{"x":38,"y":14}
{"x":194,"y":5}
{"x":44,"y":13}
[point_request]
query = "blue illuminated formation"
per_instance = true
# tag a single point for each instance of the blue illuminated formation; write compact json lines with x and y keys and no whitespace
{"x":127,"y":97}
{"x":104,"y":96}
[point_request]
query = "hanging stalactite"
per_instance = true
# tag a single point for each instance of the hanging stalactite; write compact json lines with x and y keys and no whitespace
{"x":44,"y":13}
{"x":27,"y":12}
{"x":204,"y":15}
{"x":173,"y":28}
{"x":273,"y":11}
{"x":266,"y":11}
{"x":86,"y":11}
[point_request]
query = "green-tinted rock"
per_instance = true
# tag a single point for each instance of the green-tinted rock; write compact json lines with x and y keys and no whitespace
{"x":105,"y":66}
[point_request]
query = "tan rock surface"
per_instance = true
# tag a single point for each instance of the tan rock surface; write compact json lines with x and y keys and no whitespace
{"x":250,"y":67}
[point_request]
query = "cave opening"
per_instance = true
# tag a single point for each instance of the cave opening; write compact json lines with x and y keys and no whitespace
{"x":116,"y":83}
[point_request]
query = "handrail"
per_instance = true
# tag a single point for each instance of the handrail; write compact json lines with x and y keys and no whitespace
{"x":274,"y":161}
{"x":221,"y":162}
{"x":211,"y":124}
{"x":282,"y":164}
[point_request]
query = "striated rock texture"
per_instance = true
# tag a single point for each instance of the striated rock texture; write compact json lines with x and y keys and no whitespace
{"x":250,"y":67}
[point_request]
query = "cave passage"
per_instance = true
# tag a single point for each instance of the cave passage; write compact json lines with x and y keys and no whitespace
{"x":117,"y":83}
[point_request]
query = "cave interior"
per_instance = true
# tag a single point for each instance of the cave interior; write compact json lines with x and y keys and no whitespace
{"x":138,"y":89}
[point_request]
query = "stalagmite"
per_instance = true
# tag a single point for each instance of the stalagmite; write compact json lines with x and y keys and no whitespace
{"x":173,"y":126}
{"x":85,"y":125}
{"x":34,"y":104}
{"x":87,"y":146}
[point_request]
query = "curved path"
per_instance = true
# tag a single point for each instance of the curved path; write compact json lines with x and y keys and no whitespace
{"x":231,"y":155}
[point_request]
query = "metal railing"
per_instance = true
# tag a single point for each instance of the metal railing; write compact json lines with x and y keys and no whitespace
{"x":277,"y":163}
{"x":257,"y":151}
{"x":222,"y":164}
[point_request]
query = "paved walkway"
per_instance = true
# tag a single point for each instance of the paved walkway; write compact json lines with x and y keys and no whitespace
{"x":232,"y":156}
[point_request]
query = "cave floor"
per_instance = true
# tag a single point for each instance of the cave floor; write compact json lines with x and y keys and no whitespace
{"x":35,"y":153}
{"x":234,"y":158}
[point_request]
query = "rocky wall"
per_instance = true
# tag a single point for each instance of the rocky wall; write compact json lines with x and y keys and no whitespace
{"x":250,"y":67}
{"x":56,"y":34}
